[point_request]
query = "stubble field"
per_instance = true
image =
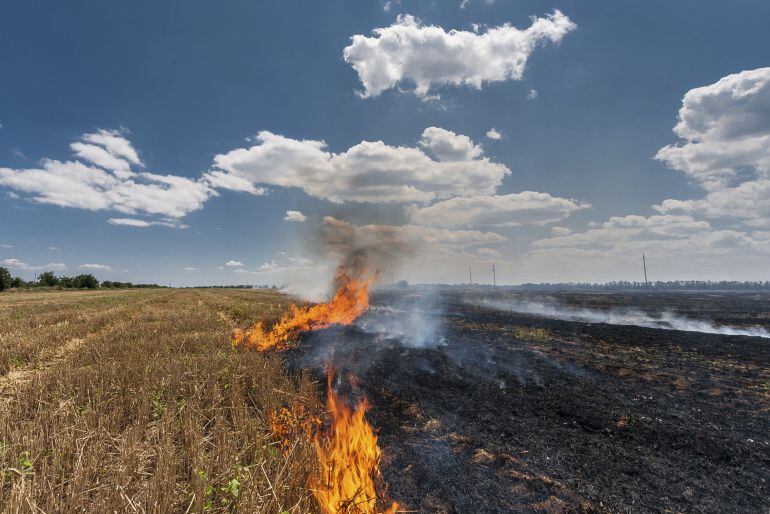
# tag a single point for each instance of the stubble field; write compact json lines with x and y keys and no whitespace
{"x":134,"y":401}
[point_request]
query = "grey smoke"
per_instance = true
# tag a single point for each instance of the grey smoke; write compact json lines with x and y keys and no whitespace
{"x":666,"y":320}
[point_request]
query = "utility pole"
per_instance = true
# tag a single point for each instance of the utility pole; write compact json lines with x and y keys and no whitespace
{"x":470,"y":276}
{"x":494,"y":276}
{"x":644,"y":266}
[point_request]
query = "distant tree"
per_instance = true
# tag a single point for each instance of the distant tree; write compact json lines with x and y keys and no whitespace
{"x":85,"y":282}
{"x":18,"y":282}
{"x":403,"y":284}
{"x":48,"y":279}
{"x":5,"y":279}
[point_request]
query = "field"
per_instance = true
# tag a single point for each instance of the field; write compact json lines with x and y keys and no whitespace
{"x":135,"y":401}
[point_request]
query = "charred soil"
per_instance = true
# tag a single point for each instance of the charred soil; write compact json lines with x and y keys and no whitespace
{"x":510,"y":412}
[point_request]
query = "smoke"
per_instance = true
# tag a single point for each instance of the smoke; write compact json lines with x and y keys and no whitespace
{"x":666,"y":320}
{"x":415,"y":320}
{"x":365,"y":249}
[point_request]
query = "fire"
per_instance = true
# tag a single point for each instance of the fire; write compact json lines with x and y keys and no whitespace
{"x":350,"y":300}
{"x":349,"y":461}
{"x":348,"y":454}
{"x":287,"y":423}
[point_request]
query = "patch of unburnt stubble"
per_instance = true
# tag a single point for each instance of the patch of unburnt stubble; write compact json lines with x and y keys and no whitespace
{"x":151,"y":410}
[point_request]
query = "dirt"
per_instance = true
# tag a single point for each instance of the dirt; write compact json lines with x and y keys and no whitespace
{"x":593,"y":418}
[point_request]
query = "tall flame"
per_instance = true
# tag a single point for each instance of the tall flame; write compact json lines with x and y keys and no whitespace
{"x":348,"y":455}
{"x":350,"y":300}
{"x":349,"y":461}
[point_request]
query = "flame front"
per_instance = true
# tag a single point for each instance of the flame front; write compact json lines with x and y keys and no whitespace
{"x":349,"y":461}
{"x":348,"y":454}
{"x":350,"y":300}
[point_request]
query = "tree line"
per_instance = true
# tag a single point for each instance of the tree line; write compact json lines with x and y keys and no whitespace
{"x":49,"y":279}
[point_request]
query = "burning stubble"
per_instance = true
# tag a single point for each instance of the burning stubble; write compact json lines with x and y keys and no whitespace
{"x":347,"y":453}
{"x":350,"y":300}
{"x":349,"y":460}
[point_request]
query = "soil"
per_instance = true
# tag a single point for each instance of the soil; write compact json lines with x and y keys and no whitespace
{"x":488,"y":415}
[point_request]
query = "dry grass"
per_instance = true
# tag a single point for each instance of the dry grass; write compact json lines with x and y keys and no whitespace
{"x":150,"y":411}
{"x":539,"y":335}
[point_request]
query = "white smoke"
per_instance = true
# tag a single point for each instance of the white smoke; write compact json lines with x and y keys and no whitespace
{"x":666,"y":320}
{"x":413,"y":320}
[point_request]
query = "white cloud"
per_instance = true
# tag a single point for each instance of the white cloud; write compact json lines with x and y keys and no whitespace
{"x":134,"y":222}
{"x":560,"y":231}
{"x":369,"y":171}
{"x":527,"y":207}
{"x":679,"y":246}
{"x":96,"y":267}
{"x":103,"y":180}
{"x":493,"y":133}
{"x":223,"y":180}
{"x":749,"y":201}
{"x":190,"y":268}
{"x":6,"y":246}
{"x":532,"y":95}
{"x":114,"y":142}
{"x":725,"y":132}
{"x":464,"y":4}
{"x":445,"y":145}
{"x":295,"y":216}
{"x":429,"y":56}
{"x":725,"y":127}
{"x":14,"y":263}
{"x":17,"y":264}
{"x":232,"y":263}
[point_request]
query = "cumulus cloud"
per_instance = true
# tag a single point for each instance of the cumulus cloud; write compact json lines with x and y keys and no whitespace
{"x":96,"y":267}
{"x":233,"y":263}
{"x":525,"y":208}
{"x":493,"y":133}
{"x":725,"y":127}
{"x":223,"y":180}
{"x":190,"y":268}
{"x":532,"y":95}
{"x":725,"y":148}
{"x":103,"y":180}
{"x":295,"y":216}
{"x":369,"y":171}
{"x":17,"y":264}
{"x":428,"y":56}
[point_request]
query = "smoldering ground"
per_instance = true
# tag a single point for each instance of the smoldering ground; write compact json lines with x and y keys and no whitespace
{"x":664,"y":319}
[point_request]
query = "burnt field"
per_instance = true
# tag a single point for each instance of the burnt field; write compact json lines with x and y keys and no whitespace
{"x":480,"y":409}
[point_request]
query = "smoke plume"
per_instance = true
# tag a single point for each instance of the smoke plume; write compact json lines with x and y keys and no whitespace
{"x":666,"y":320}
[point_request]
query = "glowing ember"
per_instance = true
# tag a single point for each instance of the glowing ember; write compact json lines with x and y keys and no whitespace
{"x":349,"y":461}
{"x":350,"y":300}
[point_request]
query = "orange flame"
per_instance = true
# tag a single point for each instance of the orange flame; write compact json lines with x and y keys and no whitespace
{"x":288,"y":423}
{"x":349,"y":460}
{"x":350,"y":300}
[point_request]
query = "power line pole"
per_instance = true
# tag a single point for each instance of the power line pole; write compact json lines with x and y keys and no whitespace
{"x":644,"y":266}
{"x":494,"y":276}
{"x":470,"y":276}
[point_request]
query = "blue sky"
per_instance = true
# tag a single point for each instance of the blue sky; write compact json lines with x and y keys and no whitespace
{"x":582,"y":123}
